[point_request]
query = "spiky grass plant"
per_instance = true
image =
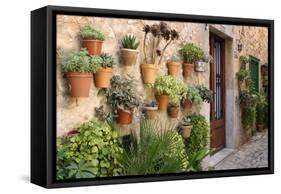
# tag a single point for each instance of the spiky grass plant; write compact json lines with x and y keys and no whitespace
{"x":130,"y":42}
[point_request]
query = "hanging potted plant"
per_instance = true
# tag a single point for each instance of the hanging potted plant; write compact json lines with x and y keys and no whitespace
{"x":205,"y":93}
{"x":104,"y":71}
{"x":92,"y":40}
{"x":173,"y":65}
{"x":155,"y":33}
{"x":191,"y":55}
{"x":191,"y":97}
{"x":186,"y":126}
{"x":79,"y":68}
{"x":129,"y":52}
{"x":174,"y":107}
{"x":150,"y":109}
{"x":201,"y":65}
{"x":123,"y":98}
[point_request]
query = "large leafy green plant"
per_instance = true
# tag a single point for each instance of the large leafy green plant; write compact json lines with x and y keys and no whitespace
{"x":195,"y":160}
{"x":93,"y":151}
{"x":122,"y":94}
{"x":261,"y":109}
{"x":156,"y":152}
{"x":193,"y":94}
{"x":81,"y":62}
{"x":205,"y":93}
{"x":107,"y":60}
{"x":199,"y":137}
{"x":191,"y":53}
{"x":91,"y":33}
{"x":130,"y":42}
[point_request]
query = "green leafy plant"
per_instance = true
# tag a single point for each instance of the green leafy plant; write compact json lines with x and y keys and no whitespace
{"x":156,"y":152}
{"x":81,"y":62}
{"x":91,"y":33}
{"x":248,"y":117}
{"x":199,"y":137}
{"x":193,"y":95}
{"x":191,"y":53}
{"x":195,"y":161}
{"x":107,"y":60}
{"x":247,"y":98}
{"x":205,"y":93}
{"x":102,"y":115}
{"x":261,"y":109}
{"x":175,"y":101}
{"x":130,"y":42}
{"x":242,"y":74}
{"x":243,"y":60}
{"x":92,"y":151}
{"x":122,"y":94}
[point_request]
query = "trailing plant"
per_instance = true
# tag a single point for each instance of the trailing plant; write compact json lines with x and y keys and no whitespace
{"x":102,"y":115}
{"x":92,"y":151}
{"x":191,"y":53}
{"x":156,"y":152}
{"x":261,"y":109}
{"x":199,"y":137}
{"x":107,"y":60}
{"x":243,"y":60}
{"x":248,"y":116}
{"x":158,"y":33}
{"x":205,"y":93}
{"x":247,"y":98}
{"x":195,"y":161}
{"x":91,"y":33}
{"x":122,"y":94}
{"x":243,"y":74}
{"x":193,"y":95}
{"x":130,"y":42}
{"x":81,"y":62}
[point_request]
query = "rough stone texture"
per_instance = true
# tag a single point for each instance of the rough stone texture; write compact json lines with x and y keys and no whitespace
{"x":253,"y":154}
{"x":71,"y":114}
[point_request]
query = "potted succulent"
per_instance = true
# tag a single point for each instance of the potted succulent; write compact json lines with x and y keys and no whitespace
{"x":186,"y":126}
{"x":129,"y":52}
{"x":92,"y":40}
{"x":174,"y":107}
{"x":173,"y":65}
{"x":123,"y":98}
{"x":205,"y":93}
{"x":191,"y":55}
{"x":104,"y":71}
{"x":150,"y":109}
{"x":191,"y":97}
{"x":165,"y":87}
{"x":79,"y":68}
{"x":158,"y":33}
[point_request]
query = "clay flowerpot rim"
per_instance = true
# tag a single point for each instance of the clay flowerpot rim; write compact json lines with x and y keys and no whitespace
{"x":131,"y":50}
{"x":91,"y":40}
{"x":149,"y":65}
{"x":172,"y":63}
{"x":150,"y":108}
{"x":79,"y":74}
{"x":105,"y":69}
{"x":128,"y":111}
{"x":188,"y":64}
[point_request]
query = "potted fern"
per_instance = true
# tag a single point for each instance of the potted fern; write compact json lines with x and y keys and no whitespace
{"x":173,"y":65}
{"x":92,"y":40}
{"x":191,"y":55}
{"x":150,"y":109}
{"x":158,"y":33}
{"x":104,"y":72}
{"x":79,"y":68}
{"x":129,"y":52}
{"x":191,"y":97}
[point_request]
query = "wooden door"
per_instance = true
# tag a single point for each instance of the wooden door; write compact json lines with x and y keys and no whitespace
{"x":217,"y":85}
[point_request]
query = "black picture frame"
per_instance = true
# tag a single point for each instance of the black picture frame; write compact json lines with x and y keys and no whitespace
{"x":43,"y":94}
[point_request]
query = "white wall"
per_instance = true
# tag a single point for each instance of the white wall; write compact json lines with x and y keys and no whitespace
{"x":15,"y":89}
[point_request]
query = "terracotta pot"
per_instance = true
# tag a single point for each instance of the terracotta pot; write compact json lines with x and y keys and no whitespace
{"x":173,"y":68}
{"x":163,"y":101}
{"x":187,"y":69}
{"x":260,"y":127}
{"x":124,"y":117}
{"x":173,"y":111}
{"x":151,"y":112}
{"x":93,"y":46}
{"x":129,"y":57}
{"x":149,"y":73}
{"x":79,"y":83}
{"x":186,"y":131}
{"x":187,"y":104}
{"x":102,"y":77}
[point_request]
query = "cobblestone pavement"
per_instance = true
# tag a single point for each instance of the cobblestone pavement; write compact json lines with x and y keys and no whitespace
{"x":253,"y":154}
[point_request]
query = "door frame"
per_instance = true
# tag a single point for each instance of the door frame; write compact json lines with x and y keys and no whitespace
{"x":213,"y":124}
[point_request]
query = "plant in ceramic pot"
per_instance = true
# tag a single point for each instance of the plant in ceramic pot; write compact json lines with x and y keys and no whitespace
{"x":123,"y":98}
{"x":150,"y":109}
{"x":186,"y":126}
{"x":173,"y":65}
{"x":201,"y":65}
{"x":205,"y":93}
{"x":104,"y":72}
{"x":92,"y":40}
{"x":191,"y":55}
{"x":191,"y":97}
{"x":79,"y":68}
{"x":155,"y":34}
{"x":129,"y":52}
{"x":174,"y":107}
